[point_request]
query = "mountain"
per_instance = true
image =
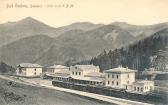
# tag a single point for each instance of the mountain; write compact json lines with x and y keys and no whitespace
{"x":84,"y":26}
{"x":92,"y":42}
{"x":150,"y":52}
{"x":29,"y":40}
{"x":39,"y":49}
{"x":141,"y":31}
{"x":13,"y":31}
{"x":74,"y":45}
{"x":26,"y":27}
{"x":25,"y":50}
{"x":60,"y":55}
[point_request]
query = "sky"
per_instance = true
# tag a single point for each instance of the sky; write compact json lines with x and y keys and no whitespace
{"x":137,"y":12}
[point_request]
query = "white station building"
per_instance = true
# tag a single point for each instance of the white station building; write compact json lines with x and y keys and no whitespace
{"x":87,"y":74}
{"x":124,"y":78}
{"x":29,"y":70}
{"x":119,"y":78}
{"x":79,"y":71}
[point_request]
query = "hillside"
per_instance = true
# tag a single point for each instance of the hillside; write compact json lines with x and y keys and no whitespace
{"x":84,"y":26}
{"x":147,"y":53}
{"x":39,"y":49}
{"x":92,"y":42}
{"x":141,"y":31}
{"x":60,"y":55}
{"x":25,"y":50}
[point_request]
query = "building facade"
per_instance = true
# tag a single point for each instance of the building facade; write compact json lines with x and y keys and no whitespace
{"x":143,"y":86}
{"x":120,"y":78}
{"x":79,"y":71}
{"x":29,"y":70}
{"x":56,"y":68}
{"x":87,"y":74}
{"x":124,"y":78}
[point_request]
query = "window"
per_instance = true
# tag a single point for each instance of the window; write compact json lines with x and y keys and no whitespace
{"x":126,"y":87}
{"x":72,"y":73}
{"x":79,"y":73}
{"x":134,"y":88}
{"x":128,"y":75}
{"x":117,"y":76}
{"x":108,"y":76}
{"x":75,"y":67}
{"x":117,"y":83}
{"x":76,"y":73}
{"x":112,"y":82}
{"x":141,"y":89}
{"x":138,"y":88}
{"x":108,"y":82}
{"x":34,"y":69}
{"x":112,"y":75}
{"x":34,"y":73}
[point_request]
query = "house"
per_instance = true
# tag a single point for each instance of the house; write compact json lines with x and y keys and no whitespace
{"x":29,"y":70}
{"x":142,"y":86}
{"x":87,"y":74}
{"x":120,"y":78}
{"x":79,"y":71}
{"x":56,"y":68}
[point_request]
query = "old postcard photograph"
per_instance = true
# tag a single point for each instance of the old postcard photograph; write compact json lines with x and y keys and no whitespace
{"x":83,"y":52}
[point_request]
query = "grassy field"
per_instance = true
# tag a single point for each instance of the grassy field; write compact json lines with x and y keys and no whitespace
{"x":19,"y":94}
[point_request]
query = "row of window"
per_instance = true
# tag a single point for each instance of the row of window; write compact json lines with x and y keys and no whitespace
{"x":92,"y":82}
{"x":113,"y":76}
{"x":113,"y":83}
{"x":146,"y":87}
{"x":60,"y":78}
{"x":76,"y":73}
{"x":138,"y":89}
{"x":141,"y":89}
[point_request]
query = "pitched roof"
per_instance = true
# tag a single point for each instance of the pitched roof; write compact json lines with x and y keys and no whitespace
{"x":120,"y":70}
{"x":143,"y":82}
{"x":95,"y":79}
{"x":29,"y":65}
{"x":59,"y":75}
{"x":95,"y":74}
{"x":58,"y":66}
{"x":63,"y":72}
{"x":87,"y":67}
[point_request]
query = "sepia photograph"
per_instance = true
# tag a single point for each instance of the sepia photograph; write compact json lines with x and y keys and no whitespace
{"x":83,"y":52}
